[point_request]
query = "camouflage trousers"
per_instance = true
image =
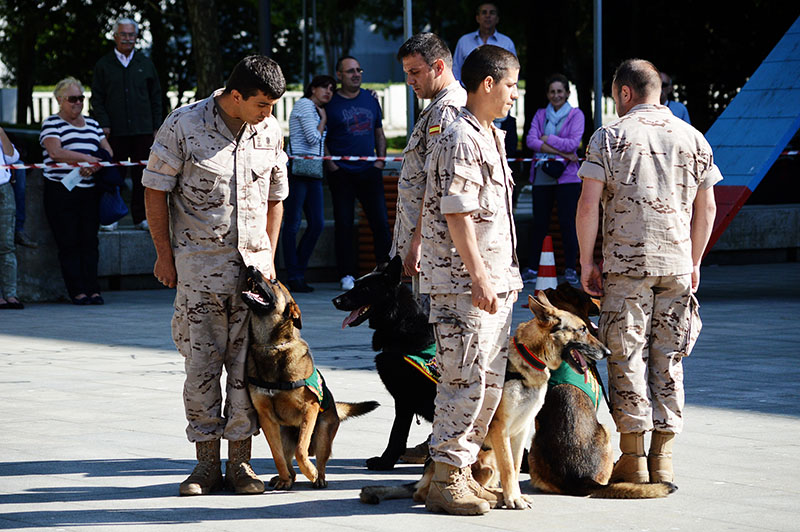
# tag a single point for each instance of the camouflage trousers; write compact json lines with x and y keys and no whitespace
{"x":471,"y":352}
{"x":424,"y":300}
{"x":649,"y":324}
{"x":211,"y":332}
{"x":8,"y":257}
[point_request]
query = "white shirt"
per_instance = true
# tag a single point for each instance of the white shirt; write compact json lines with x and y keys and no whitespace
{"x":125,"y":60}
{"x":5,"y":173}
{"x":470,"y":41}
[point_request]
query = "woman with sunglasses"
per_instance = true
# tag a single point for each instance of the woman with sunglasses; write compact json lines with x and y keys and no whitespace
{"x":71,"y":199}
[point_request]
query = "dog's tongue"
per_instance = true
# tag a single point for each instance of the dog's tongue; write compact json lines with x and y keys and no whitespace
{"x":579,"y":358}
{"x":351,"y":318}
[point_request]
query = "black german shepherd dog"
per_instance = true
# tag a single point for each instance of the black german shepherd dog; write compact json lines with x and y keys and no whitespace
{"x":401,"y":328}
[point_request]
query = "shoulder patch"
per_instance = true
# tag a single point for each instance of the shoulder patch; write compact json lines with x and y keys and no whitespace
{"x":434,"y":130}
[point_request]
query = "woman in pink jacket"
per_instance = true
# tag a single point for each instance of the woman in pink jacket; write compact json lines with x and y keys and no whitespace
{"x":555,"y":135}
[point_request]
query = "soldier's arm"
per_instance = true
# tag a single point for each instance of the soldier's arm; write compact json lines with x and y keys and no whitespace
{"x":274,"y":217}
{"x":587,"y":223}
{"x":157,"y":212}
{"x":462,"y":231}
{"x":703,"y":213}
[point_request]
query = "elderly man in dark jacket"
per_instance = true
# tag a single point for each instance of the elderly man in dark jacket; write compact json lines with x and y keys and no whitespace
{"x":126,"y":102}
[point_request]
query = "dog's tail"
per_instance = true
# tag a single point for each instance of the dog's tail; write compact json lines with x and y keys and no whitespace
{"x":348,"y":410}
{"x":629,"y":490}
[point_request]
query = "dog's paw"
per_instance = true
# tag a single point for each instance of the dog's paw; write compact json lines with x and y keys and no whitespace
{"x":320,"y":483}
{"x":281,"y":483}
{"x":378,"y":463}
{"x":518,"y":502}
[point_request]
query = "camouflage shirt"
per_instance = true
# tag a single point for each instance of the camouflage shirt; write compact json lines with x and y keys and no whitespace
{"x":468,"y":173}
{"x":432,"y":122}
{"x":652,"y":164}
{"x":218,"y":199}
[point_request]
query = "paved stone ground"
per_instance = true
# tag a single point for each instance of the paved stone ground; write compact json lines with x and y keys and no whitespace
{"x":92,"y":437}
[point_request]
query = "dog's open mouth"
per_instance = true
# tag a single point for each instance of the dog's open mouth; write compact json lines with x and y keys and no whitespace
{"x":577,"y":361}
{"x":255,"y":296}
{"x":356,"y":317}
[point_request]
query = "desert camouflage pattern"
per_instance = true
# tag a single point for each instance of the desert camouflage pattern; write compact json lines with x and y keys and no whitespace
{"x":210,"y":331}
{"x":468,"y":173}
{"x":471,"y":353}
{"x":218,"y":199}
{"x":652,"y":164}
{"x":432,"y":122}
{"x":649,"y":323}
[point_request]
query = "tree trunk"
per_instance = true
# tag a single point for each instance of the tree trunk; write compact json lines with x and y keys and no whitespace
{"x":205,"y":46}
{"x":26,"y":60}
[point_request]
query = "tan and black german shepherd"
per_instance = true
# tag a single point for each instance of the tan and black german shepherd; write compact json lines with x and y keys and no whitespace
{"x":295,"y":409}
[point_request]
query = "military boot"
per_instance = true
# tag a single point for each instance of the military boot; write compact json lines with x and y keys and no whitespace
{"x":491,"y":495}
{"x":207,"y":476}
{"x":450,"y":493}
{"x":632,"y":465}
{"x":659,"y":459}
{"x":239,"y":476}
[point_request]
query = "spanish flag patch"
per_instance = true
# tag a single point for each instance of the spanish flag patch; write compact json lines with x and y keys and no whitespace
{"x":434,"y":130}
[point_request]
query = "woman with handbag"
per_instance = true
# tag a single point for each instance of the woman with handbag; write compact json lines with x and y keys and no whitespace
{"x":71,"y":199}
{"x":306,"y":137}
{"x":555,"y":135}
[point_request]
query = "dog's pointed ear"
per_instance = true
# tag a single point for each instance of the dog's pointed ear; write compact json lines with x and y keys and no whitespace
{"x":594,"y":306}
{"x":540,"y":307}
{"x":395,"y":268}
{"x":293,"y":311}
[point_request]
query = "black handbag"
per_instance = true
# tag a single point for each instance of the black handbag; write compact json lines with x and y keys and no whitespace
{"x":553,"y":168}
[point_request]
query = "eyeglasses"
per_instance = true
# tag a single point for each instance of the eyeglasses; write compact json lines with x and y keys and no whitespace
{"x":127,"y":34}
{"x":354,"y":71}
{"x":76,"y":99}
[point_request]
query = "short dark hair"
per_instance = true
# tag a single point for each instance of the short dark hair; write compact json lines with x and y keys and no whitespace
{"x":341,"y":60}
{"x":323,"y":80}
{"x":257,"y":73}
{"x":479,"y":6}
{"x":428,"y":45}
{"x":640,"y":75}
{"x":561,"y":78}
{"x":486,"y":60}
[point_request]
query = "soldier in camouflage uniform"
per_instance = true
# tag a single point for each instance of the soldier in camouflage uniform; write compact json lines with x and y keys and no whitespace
{"x":470,"y":269}
{"x":215,"y":182}
{"x":653,"y":174}
{"x":428,"y":66}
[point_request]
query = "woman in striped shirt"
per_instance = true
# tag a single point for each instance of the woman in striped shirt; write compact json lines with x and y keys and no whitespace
{"x":71,"y":203}
{"x":306,"y":137}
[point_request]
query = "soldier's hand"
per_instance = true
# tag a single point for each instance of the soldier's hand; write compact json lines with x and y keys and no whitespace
{"x":165,"y":272}
{"x":484,"y":298}
{"x":695,"y":278}
{"x":592,"y":280}
{"x":411,"y":262}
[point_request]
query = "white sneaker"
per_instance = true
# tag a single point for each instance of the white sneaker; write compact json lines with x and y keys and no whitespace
{"x":347,"y":282}
{"x":109,"y":227}
{"x":571,"y":276}
{"x":143,"y":225}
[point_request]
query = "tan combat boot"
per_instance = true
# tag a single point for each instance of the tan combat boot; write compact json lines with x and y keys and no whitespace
{"x":207,"y":476}
{"x":632,"y":465}
{"x":491,"y":495}
{"x":239,"y":476}
{"x":449,"y":492}
{"x":659,"y":459}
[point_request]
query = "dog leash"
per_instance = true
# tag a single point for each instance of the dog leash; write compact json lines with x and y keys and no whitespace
{"x":593,"y":369}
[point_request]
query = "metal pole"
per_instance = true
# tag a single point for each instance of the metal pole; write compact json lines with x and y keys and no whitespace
{"x":410,"y":96}
{"x":265,"y":24}
{"x":304,"y":75}
{"x":598,"y":63}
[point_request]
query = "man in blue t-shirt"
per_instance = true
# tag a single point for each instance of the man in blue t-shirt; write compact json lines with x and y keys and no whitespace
{"x":355,"y":127}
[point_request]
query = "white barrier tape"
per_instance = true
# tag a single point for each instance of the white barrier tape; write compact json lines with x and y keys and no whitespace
{"x":310,"y":157}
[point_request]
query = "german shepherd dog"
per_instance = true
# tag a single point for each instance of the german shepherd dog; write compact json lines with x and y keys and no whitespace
{"x":401,"y":328}
{"x":285,"y":386}
{"x":538,"y":347}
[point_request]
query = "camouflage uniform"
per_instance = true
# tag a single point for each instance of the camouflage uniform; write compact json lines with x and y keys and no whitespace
{"x":218,"y":221}
{"x":468,"y":174}
{"x":649,"y":316}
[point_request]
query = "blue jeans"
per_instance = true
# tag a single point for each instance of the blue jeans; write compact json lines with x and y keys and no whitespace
{"x":19,"y":198}
{"x":566,"y":197}
{"x":305,"y":196}
{"x":367,"y":186}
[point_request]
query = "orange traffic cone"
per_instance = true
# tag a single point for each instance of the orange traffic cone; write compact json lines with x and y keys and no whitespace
{"x":546,"y":277}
